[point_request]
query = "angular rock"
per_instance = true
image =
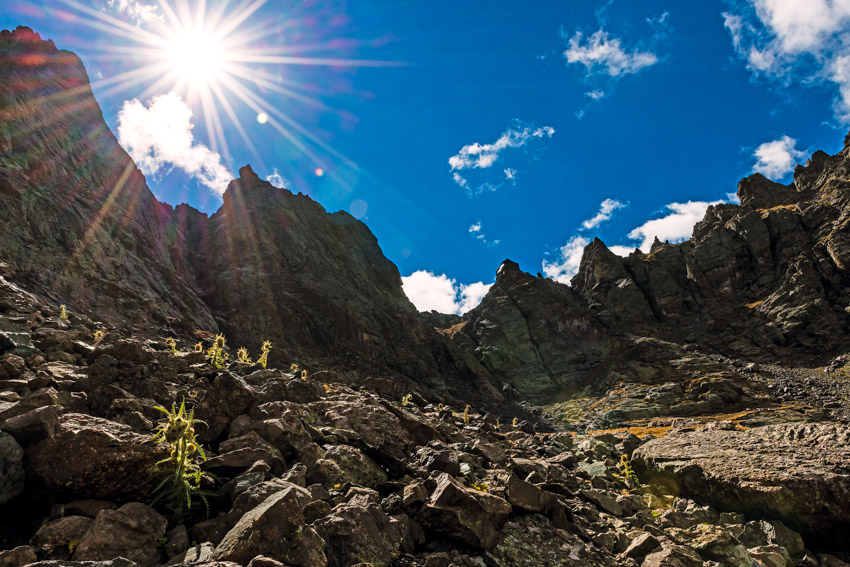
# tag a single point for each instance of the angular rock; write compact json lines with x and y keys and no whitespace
{"x":132,"y":531}
{"x":228,"y":396}
{"x":58,"y":539}
{"x":793,"y":472}
{"x":275,"y":528}
{"x":21,"y":555}
{"x":462,"y":513}
{"x":11,"y":468}
{"x":359,"y":532}
{"x":95,"y":458}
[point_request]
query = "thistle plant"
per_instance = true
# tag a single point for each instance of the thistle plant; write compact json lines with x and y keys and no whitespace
{"x":181,"y":473}
{"x":216,"y":353}
{"x":264,"y":354}
{"x":172,"y":344}
{"x":242,"y":356}
{"x":63,"y":312}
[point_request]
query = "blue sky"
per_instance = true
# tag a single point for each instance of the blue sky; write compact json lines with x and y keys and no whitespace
{"x":464,"y":133}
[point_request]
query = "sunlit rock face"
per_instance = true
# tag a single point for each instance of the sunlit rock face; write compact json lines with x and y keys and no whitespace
{"x":764,"y":279}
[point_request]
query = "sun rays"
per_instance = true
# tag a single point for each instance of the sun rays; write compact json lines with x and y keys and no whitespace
{"x":221,"y":63}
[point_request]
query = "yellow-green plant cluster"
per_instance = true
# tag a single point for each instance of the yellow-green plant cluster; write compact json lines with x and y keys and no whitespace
{"x":216,"y":354}
{"x":172,"y":344}
{"x":264,"y":354}
{"x":181,"y":473}
{"x":63,"y":312}
{"x":242,"y":356}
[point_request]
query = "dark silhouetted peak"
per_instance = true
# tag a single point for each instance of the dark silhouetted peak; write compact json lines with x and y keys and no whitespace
{"x":248,"y":175}
{"x":759,"y":192}
{"x":28,"y":40}
{"x":509,"y":272}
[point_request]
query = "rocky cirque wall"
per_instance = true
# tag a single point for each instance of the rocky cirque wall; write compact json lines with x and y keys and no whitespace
{"x":84,"y":230}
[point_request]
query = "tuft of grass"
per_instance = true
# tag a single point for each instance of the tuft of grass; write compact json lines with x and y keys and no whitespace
{"x":63,"y":312}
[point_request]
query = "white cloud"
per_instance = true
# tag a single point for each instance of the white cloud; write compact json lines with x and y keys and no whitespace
{"x":623,"y":251}
{"x":604,"y":53}
{"x":160,"y":136}
{"x":779,"y":37}
{"x":777,"y":159}
{"x":676,"y":226}
{"x":442,"y":294}
{"x":596,"y":94}
{"x":138,"y":12}
{"x":483,"y":156}
{"x":606,"y":209}
{"x":471,"y":295}
{"x":278,"y":180}
{"x":568,"y":261}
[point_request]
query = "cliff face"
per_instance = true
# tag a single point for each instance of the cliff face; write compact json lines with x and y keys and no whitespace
{"x":85,"y":230}
{"x":764,"y":279}
{"x":80,"y":225}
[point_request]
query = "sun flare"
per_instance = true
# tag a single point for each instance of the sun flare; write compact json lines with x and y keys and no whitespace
{"x":196,"y":56}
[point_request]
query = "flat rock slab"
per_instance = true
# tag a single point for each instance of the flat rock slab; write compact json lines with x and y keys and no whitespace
{"x":797,"y":473}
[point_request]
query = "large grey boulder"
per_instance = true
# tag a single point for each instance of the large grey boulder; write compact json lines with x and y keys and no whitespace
{"x":796,"y":473}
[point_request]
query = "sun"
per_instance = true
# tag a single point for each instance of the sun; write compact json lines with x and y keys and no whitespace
{"x":196,"y":56}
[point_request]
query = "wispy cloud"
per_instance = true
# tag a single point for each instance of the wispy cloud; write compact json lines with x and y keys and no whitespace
{"x":567,"y":262}
{"x":483,"y":156}
{"x":781,"y":38}
{"x":606,"y":210}
{"x":677,"y":225}
{"x":604,"y":53}
{"x":160,"y":136}
{"x":429,"y":292}
{"x":476,"y":232}
{"x":136,"y":11}
{"x":568,"y":258}
{"x":278,"y":180}
{"x":606,"y":58}
{"x":777,"y":159}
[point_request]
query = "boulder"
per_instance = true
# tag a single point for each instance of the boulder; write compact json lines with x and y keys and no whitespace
{"x":792,"y":472}
{"x":275,"y":528}
{"x":359,"y":532}
{"x":463,"y":513}
{"x":228,"y":396}
{"x":59,"y":538}
{"x":95,"y":458}
{"x":132,"y":531}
